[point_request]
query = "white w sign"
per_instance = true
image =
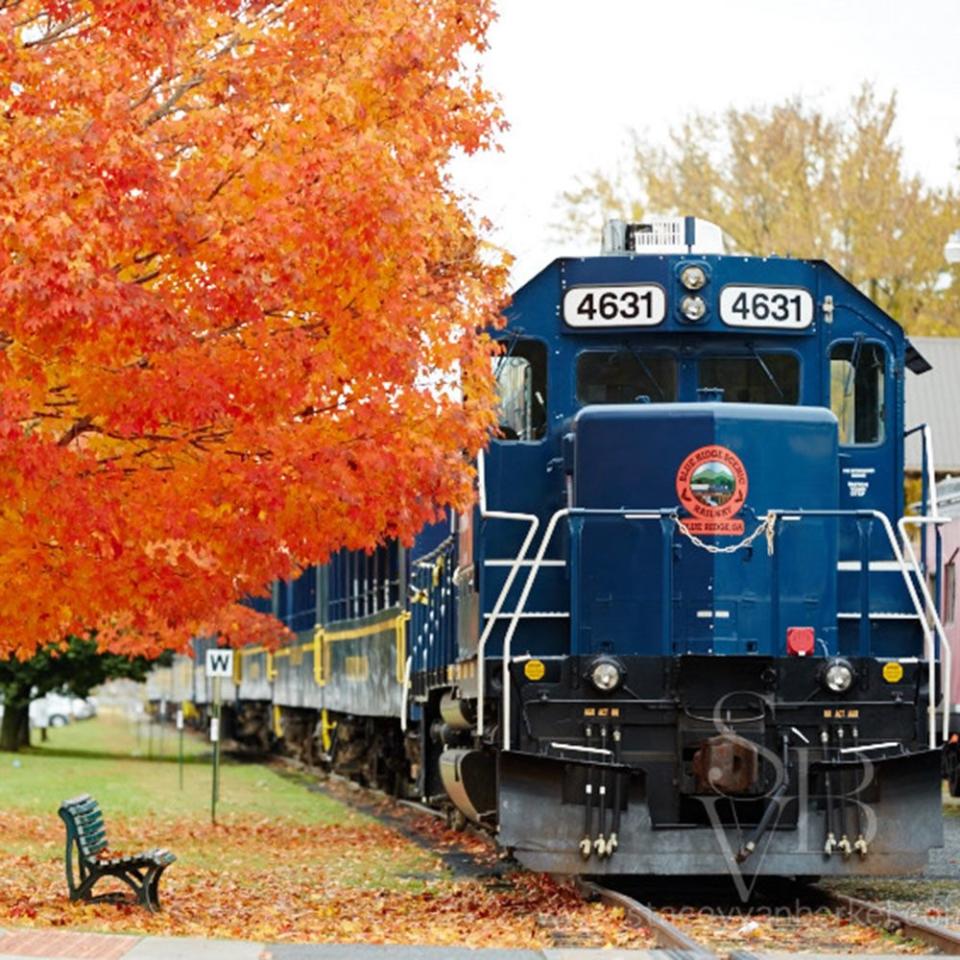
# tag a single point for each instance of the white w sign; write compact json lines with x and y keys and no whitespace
{"x":219,"y":663}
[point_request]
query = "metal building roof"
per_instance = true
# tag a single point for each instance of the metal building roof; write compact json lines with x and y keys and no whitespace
{"x":934,"y":398}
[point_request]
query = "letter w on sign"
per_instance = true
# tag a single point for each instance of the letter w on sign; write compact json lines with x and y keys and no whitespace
{"x":219,"y":663}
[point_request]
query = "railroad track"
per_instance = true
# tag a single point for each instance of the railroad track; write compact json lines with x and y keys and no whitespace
{"x":943,"y":939}
{"x":664,"y":932}
{"x":670,"y":937}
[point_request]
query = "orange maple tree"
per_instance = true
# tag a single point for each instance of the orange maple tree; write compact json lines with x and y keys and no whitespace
{"x":240,"y":302}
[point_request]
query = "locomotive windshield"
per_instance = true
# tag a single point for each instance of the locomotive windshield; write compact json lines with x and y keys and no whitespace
{"x":626,"y":376}
{"x":759,"y":378}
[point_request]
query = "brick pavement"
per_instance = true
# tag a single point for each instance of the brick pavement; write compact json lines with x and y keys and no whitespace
{"x":61,"y":943}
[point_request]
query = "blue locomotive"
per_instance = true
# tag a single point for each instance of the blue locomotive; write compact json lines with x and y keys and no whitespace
{"x":683,"y":631}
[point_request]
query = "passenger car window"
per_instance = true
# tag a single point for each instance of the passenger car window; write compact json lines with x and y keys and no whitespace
{"x":754,"y":378}
{"x":625,"y":376}
{"x":521,"y":374}
{"x":856,"y":390}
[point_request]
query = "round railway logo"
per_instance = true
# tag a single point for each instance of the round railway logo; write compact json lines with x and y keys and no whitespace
{"x":712,"y":483}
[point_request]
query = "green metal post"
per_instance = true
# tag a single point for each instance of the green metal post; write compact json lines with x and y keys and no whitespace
{"x":215,"y":737}
{"x":180,"y":732}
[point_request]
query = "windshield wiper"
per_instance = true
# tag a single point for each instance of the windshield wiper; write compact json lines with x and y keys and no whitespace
{"x":766,"y":370}
{"x":643,"y":366}
{"x":513,"y":337}
{"x":855,"y":352}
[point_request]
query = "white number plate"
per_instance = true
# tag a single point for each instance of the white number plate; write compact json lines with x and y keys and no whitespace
{"x":780,"y":308}
{"x":637,"y":305}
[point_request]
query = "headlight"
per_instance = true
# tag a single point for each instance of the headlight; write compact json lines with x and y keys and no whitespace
{"x":693,"y":308}
{"x":693,"y":277}
{"x":838,"y":676}
{"x":605,"y":675}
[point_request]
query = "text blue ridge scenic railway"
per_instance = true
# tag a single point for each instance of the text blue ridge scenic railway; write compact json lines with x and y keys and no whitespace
{"x":683,"y":631}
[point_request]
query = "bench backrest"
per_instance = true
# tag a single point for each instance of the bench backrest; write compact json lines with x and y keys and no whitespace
{"x":84,"y":821}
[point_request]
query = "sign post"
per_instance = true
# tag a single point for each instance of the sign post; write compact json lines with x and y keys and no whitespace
{"x":180,"y":734}
{"x":162,"y":718}
{"x":219,"y":665}
{"x":215,"y":737}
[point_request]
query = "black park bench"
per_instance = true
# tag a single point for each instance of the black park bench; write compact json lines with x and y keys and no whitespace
{"x":88,"y":859}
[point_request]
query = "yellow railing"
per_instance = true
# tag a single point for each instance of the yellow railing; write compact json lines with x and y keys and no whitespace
{"x":319,"y":646}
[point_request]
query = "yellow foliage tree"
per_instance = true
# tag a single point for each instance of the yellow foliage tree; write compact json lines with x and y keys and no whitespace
{"x":790,"y":180}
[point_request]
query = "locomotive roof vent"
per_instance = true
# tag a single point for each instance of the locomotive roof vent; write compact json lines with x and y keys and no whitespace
{"x":662,"y":235}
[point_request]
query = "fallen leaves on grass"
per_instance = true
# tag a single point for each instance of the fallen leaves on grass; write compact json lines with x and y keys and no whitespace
{"x":288,"y":881}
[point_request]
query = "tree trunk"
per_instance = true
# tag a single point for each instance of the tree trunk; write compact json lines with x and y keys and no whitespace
{"x":15,"y":728}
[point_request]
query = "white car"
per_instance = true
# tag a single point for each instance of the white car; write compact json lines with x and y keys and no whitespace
{"x":57,"y":710}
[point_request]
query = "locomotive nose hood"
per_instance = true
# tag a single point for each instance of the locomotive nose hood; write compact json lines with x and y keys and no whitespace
{"x":689,"y":583}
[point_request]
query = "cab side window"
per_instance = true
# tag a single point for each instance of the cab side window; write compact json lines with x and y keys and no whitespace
{"x":521,"y":374}
{"x":857,"y":390}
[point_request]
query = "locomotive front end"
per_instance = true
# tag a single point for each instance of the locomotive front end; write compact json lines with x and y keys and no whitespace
{"x":708,"y":650}
{"x":707,"y":717}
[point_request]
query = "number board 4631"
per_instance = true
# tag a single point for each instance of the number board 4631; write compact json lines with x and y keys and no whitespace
{"x":633,"y":305}
{"x":772,"y":308}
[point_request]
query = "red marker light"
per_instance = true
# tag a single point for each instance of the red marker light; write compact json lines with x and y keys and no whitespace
{"x":800,"y":641}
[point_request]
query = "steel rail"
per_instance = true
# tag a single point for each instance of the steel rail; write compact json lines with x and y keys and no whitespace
{"x":876,"y":914}
{"x":664,"y":932}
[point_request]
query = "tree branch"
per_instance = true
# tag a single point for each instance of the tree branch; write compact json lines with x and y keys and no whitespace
{"x":58,"y":32}
{"x":171,"y":102}
{"x":83,"y":425}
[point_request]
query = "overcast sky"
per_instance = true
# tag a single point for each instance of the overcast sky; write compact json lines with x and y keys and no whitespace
{"x":575,"y":75}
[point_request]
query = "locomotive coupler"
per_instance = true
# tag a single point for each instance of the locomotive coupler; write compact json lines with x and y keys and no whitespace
{"x":726,"y":764}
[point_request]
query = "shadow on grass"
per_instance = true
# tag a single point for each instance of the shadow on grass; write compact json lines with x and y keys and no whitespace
{"x":107,"y":755}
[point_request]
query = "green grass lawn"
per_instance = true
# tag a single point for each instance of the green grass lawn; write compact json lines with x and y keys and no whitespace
{"x":132,"y":769}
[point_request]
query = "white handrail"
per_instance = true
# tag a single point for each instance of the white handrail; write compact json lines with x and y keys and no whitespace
{"x":486,"y":514}
{"x":928,"y":636}
{"x":515,"y":619}
{"x":528,"y":586}
{"x":908,"y":582}
{"x":946,"y":652}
